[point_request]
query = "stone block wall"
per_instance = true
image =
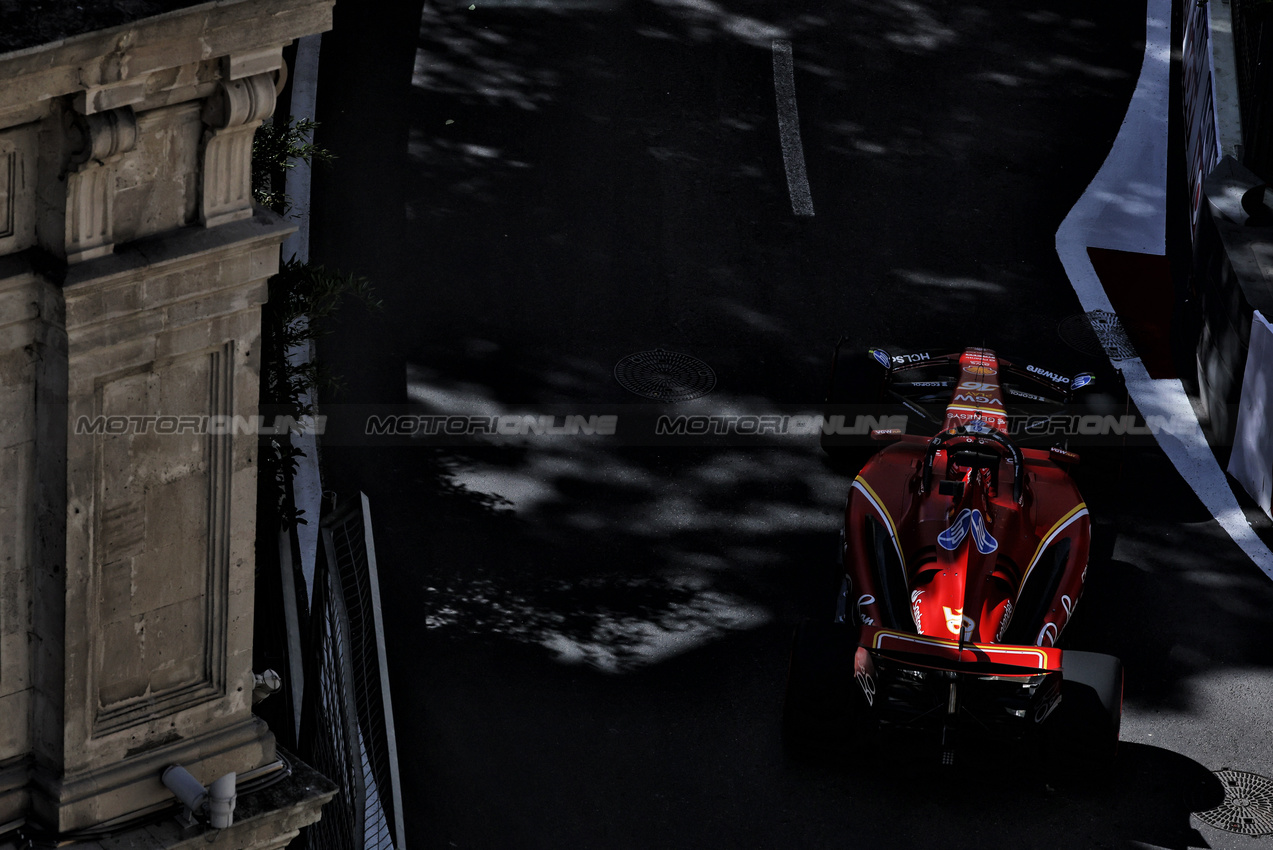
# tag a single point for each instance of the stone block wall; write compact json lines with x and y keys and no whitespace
{"x":32,"y":490}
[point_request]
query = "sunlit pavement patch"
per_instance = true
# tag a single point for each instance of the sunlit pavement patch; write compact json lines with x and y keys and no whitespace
{"x":688,"y":501}
{"x":615,"y":621}
{"x":550,"y":5}
{"x":620,"y":644}
{"x":609,"y":641}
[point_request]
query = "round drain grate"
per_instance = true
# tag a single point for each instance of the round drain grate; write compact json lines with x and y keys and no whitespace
{"x":665,"y":375}
{"x":1248,"y":804}
{"x":1095,"y":333}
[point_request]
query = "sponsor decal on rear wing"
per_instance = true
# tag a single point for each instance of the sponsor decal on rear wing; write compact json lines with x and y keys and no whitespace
{"x":912,"y":359}
{"x":980,"y":359}
{"x":1061,"y":383}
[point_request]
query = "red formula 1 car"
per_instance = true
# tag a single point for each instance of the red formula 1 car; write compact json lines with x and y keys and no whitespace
{"x":964,"y":557}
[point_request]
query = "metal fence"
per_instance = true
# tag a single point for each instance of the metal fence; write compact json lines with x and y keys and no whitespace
{"x":1253,"y":51}
{"x":347,"y":729}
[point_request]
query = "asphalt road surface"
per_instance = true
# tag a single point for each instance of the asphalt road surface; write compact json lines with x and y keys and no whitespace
{"x":588,"y":637}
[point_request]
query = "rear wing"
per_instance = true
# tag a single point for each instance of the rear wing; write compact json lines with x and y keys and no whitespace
{"x":942,"y":654}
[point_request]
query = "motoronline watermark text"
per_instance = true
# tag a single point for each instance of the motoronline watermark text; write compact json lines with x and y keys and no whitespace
{"x":506,"y":425}
{"x":644,"y":426}
{"x":797,"y":425}
{"x":198,"y":424}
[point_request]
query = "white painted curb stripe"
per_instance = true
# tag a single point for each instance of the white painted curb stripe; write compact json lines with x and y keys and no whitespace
{"x":789,"y":129}
{"x":1121,"y":210}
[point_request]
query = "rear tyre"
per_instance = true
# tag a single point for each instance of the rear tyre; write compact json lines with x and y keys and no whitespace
{"x":1083,"y":730}
{"x":856,"y":388}
{"x":822,"y":706}
{"x":1102,"y":455}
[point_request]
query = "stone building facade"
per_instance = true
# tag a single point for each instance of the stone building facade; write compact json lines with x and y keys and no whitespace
{"x":132,"y":270}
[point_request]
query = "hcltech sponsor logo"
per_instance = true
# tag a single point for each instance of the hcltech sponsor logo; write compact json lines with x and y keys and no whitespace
{"x":506,"y":425}
{"x":918,"y":357}
{"x":256,"y":426}
{"x":774,"y":424}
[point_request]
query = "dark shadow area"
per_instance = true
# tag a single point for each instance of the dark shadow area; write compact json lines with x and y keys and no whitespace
{"x":357,"y":221}
{"x":24,"y":25}
{"x":588,"y":640}
{"x":580,"y":185}
{"x":1167,"y":591}
{"x":1145,"y":796}
{"x":686,"y":754}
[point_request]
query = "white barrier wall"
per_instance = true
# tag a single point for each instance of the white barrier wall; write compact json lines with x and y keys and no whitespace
{"x":1252,"y":460}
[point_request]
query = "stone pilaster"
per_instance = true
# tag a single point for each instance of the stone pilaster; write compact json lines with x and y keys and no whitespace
{"x":162,"y":356}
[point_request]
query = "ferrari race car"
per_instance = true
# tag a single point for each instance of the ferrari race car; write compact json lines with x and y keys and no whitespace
{"x":963,"y":557}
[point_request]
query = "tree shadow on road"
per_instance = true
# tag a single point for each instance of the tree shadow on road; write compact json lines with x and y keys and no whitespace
{"x":562,"y":192}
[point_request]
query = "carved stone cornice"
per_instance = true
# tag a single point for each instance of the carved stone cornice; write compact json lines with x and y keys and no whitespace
{"x":101,"y":136}
{"x":239,"y":102}
{"x":94,"y":143}
{"x":232,"y":114}
{"x":133,"y":64}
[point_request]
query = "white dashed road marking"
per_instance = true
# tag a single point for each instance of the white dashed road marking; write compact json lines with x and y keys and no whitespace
{"x":789,"y":129}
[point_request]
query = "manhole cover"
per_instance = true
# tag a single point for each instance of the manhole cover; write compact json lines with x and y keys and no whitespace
{"x":665,"y":375}
{"x":1095,"y":333}
{"x":1248,"y":804}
